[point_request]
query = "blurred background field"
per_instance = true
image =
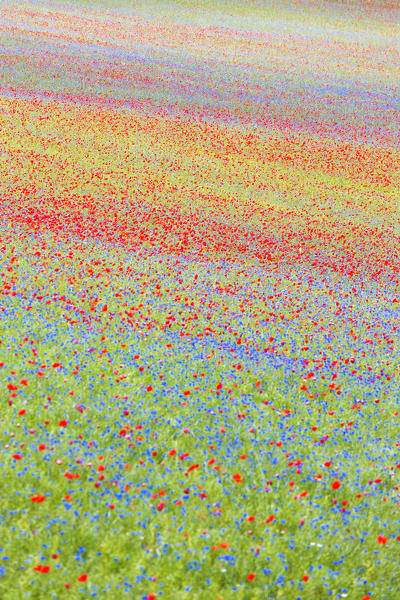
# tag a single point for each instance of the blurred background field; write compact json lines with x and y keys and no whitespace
{"x":199,"y":300}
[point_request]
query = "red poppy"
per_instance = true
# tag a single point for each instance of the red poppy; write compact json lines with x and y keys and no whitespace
{"x":42,"y":568}
{"x":270,"y":518}
{"x":38,"y":498}
{"x":192,"y":467}
{"x":82,"y":577}
{"x":382,"y":539}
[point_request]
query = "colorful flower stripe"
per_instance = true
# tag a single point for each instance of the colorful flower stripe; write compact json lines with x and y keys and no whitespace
{"x":200,"y":298}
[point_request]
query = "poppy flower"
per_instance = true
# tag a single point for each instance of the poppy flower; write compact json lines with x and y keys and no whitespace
{"x":270,"y":518}
{"x":382,"y":539}
{"x":38,"y":498}
{"x":42,"y":568}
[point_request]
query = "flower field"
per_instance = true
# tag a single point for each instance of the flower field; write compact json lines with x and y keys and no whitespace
{"x":199,"y":300}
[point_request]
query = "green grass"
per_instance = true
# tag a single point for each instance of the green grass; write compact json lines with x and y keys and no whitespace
{"x":308,"y":535}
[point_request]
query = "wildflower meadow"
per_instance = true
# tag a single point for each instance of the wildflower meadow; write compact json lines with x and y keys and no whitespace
{"x":199,"y":300}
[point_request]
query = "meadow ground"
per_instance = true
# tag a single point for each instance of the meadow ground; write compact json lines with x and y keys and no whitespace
{"x":199,"y":314}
